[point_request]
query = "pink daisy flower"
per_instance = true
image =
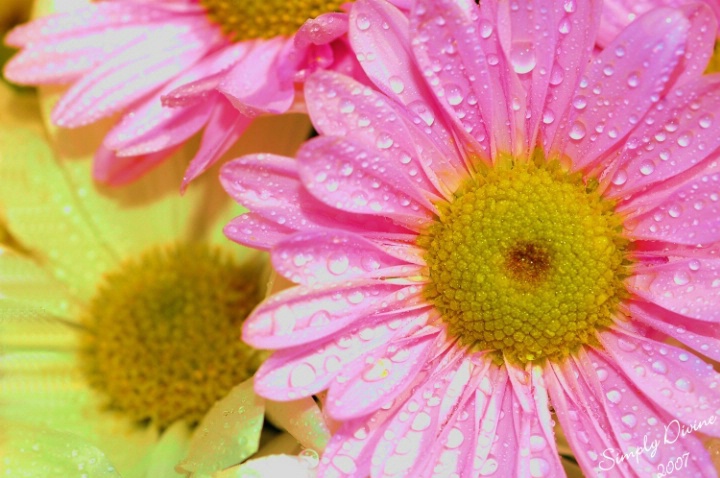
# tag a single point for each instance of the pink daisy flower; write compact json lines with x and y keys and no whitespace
{"x":175,"y":67}
{"x":506,"y":234}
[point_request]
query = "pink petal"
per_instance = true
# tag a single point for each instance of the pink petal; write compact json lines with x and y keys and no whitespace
{"x":394,"y":73}
{"x":151,"y":128}
{"x":321,"y":256}
{"x":695,"y":334}
{"x":200,"y":81}
{"x":269,"y":186}
{"x":701,"y":38}
{"x":574,"y":47}
{"x":322,"y":29}
{"x":689,"y":287}
{"x":135,"y":72}
{"x":66,"y":59}
{"x":637,"y":424}
{"x":350,"y":449}
{"x":352,"y":177}
{"x":254,"y":230}
{"x":677,"y":134}
{"x":340,"y":106}
{"x":223,"y":129}
{"x":254,"y":86}
{"x":622,"y":83}
{"x":471,"y":93}
{"x":688,"y":214}
{"x":530,"y":44}
{"x":679,"y":382}
{"x":587,"y":428}
{"x":303,"y":314}
{"x":304,"y":371}
{"x":374,"y":379}
{"x":111,"y":169}
{"x":411,"y":434}
{"x":89,"y":19}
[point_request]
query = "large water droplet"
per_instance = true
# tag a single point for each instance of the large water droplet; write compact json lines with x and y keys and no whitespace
{"x":362,"y":22}
{"x":681,"y":278}
{"x":705,"y":121}
{"x":522,"y":57}
{"x":614,"y":396}
{"x":577,"y":131}
{"x":684,"y":385}
{"x":486,"y":29}
{"x":620,"y":177}
{"x":302,"y":375}
{"x":396,"y":84}
{"x":310,"y":457}
{"x":454,"y":95}
{"x":421,"y":422}
{"x":647,"y":167}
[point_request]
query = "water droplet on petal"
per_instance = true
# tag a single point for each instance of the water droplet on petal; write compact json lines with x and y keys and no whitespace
{"x":421,"y":422}
{"x":647,"y":167}
{"x":681,"y":278}
{"x":362,"y":22}
{"x":310,"y":457}
{"x":577,"y":131}
{"x":486,"y":29}
{"x":684,"y":140}
{"x":705,"y":121}
{"x":614,"y":396}
{"x":659,"y":366}
{"x":620,"y":177}
{"x":684,"y":385}
{"x":522,"y":57}
{"x":396,"y":84}
{"x":302,"y":375}
{"x":454,"y":95}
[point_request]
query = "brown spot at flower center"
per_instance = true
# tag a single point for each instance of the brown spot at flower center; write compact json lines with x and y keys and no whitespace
{"x":528,"y":262}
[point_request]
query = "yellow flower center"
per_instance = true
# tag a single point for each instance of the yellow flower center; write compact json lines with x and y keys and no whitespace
{"x":714,"y":64}
{"x":163,"y":341}
{"x":250,"y":20}
{"x":526,"y":260}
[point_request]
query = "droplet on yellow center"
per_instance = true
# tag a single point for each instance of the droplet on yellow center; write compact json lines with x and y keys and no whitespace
{"x":253,"y":19}
{"x":526,"y":260}
{"x":163,"y":333}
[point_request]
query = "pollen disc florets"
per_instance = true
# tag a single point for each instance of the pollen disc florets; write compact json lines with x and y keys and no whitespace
{"x":527,"y":260}
{"x":163,"y":341}
{"x":250,"y":20}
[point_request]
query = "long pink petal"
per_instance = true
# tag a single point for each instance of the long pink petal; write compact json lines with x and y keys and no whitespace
{"x":200,"y":81}
{"x":470,"y":91}
{"x":688,"y":214}
{"x":82,"y":21}
{"x":341,"y":106}
{"x":223,"y":129}
{"x":306,"y":313}
{"x":316,"y":257}
{"x":353,"y":177}
{"x":151,"y":128}
{"x":638,"y":424}
{"x":622,"y":83}
{"x":134,"y":73}
{"x":575,"y":44}
{"x":66,"y":59}
{"x":677,"y":134}
{"x":109,"y":168}
{"x":581,"y":414}
{"x":411,"y":435}
{"x":698,"y":335}
{"x":254,"y":86}
{"x":269,"y":185}
{"x":701,"y":38}
{"x":394,"y":73}
{"x":689,"y":287}
{"x":304,"y":371}
{"x":372,"y":380}
{"x":254,"y":230}
{"x":677,"y":381}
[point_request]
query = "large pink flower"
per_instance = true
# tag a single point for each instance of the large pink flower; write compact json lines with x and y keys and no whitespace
{"x":214,"y":64}
{"x":507,"y":233}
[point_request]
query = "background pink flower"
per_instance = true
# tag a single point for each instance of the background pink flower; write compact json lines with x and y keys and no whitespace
{"x":172,"y":72}
{"x":471,"y":100}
